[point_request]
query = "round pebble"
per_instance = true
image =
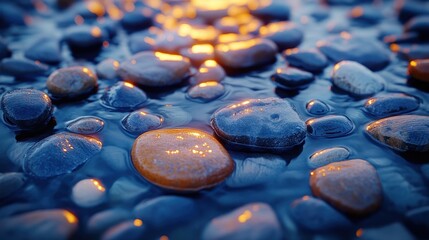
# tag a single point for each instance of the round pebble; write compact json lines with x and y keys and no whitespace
{"x":44,"y":49}
{"x":123,"y":96}
{"x":330,"y":126}
{"x":155,"y":69}
{"x":284,"y":34}
{"x":292,"y":78}
{"x":22,"y":68}
{"x":317,"y":107}
{"x":59,"y":154}
{"x":275,"y":124}
{"x":27,"y":108}
{"x":138,"y":19}
{"x":208,"y":71}
{"x":206,"y":91}
{"x":85,"y":125}
{"x":402,"y":133}
{"x":252,"y":221}
{"x":85,"y":37}
{"x":88,"y":193}
{"x":181,"y":159}
{"x":356,"y":79}
{"x":308,"y":60}
{"x":198,"y":53}
{"x":71,"y":82}
{"x":272,"y":10}
{"x":390,"y":104}
{"x":326,"y":156}
{"x":246,"y":54}
{"x":139,"y":122}
{"x":351,"y":186}
{"x":419,"y":69}
{"x":107,"y":68}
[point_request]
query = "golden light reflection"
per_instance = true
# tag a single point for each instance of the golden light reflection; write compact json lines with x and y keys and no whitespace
{"x":70,"y":217}
{"x":208,"y":84}
{"x":345,"y":35}
{"x":210,"y":63}
{"x":214,"y":5}
{"x":172,"y":152}
{"x":98,"y":185}
{"x":394,"y":47}
{"x":202,"y":48}
{"x":168,"y":57}
{"x":163,"y":237}
{"x":235,"y":46}
{"x":115,"y":65}
{"x":128,"y":85}
{"x":198,"y":33}
{"x":274,"y":27}
{"x":96,"y":32}
{"x":96,"y":8}
{"x":359,"y":232}
{"x":138,"y":222}
{"x":356,"y":12}
{"x":413,"y":63}
{"x":245,"y":216}
{"x":79,"y":20}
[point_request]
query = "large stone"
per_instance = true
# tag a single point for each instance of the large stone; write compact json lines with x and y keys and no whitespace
{"x":390,"y":104}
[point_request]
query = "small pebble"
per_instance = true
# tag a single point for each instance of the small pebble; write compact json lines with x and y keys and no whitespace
{"x":330,"y":126}
{"x":27,"y":108}
{"x":308,"y":60}
{"x":123,"y":96}
{"x":292,"y":78}
{"x":22,"y":68}
{"x":326,"y":156}
{"x":317,"y":107}
{"x":85,"y":125}
{"x":107,"y":68}
{"x":10,"y":183}
{"x":402,"y":133}
{"x":85,"y":37}
{"x":272,"y":10}
{"x":71,"y":82}
{"x":252,"y":222}
{"x":206,"y":91}
{"x":198,"y":53}
{"x":351,"y":186}
{"x":284,"y":34}
{"x":143,"y":40}
{"x":208,"y":71}
{"x":419,"y":69}
{"x":139,"y":19}
{"x":139,"y":122}
{"x":44,"y":49}
{"x":390,"y":104}
{"x":88,"y":193}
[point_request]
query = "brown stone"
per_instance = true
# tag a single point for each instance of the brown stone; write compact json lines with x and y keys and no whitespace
{"x":419,"y":69}
{"x":71,"y":82}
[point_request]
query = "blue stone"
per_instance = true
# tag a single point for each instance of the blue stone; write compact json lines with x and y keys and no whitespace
{"x":326,"y":156}
{"x":123,"y":96}
{"x":5,"y":52}
{"x":140,"y":121}
{"x":85,"y":125}
{"x":138,"y":19}
{"x":22,"y":68}
{"x":390,"y":104}
{"x":130,"y":230}
{"x":44,"y":49}
{"x":308,"y":60}
{"x":292,"y":78}
{"x":330,"y":126}
{"x":274,"y":10}
{"x":317,"y":107}
{"x":284,"y":34}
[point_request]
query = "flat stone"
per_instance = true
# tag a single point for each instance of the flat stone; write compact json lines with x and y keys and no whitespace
{"x":330,"y":126}
{"x":85,"y":125}
{"x":123,"y":96}
{"x":71,"y":82}
{"x":308,"y":60}
{"x":11,"y":183}
{"x":317,"y":107}
{"x":284,"y":34}
{"x":419,"y":69}
{"x":328,"y":155}
{"x":275,"y":124}
{"x":252,"y":221}
{"x":139,"y":122}
{"x":107,"y":68}
{"x":88,"y":193}
{"x":273,"y":10}
{"x":22,"y":68}
{"x":356,"y":79}
{"x":59,"y":154}
{"x":181,"y":159}
{"x":292,"y":78}
{"x":315,"y":215}
{"x":85,"y":37}
{"x":206,"y":91}
{"x":45,"y":49}
{"x":402,"y":133}
{"x":390,"y":104}
{"x":155,"y":69}
{"x":365,"y":16}
{"x":246,"y":54}
{"x":27,"y":108}
{"x":142,"y":41}
{"x":351,"y":186}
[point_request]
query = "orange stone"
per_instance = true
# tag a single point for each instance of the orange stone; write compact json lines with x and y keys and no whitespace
{"x":419,"y":69}
{"x":182,"y":159}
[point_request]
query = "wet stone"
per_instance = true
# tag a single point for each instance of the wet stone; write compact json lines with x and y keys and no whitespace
{"x":10,"y":183}
{"x":155,"y":69}
{"x":137,"y":20}
{"x":365,"y":16}
{"x":59,"y":154}
{"x":208,"y":71}
{"x":402,"y":133}
{"x":181,"y":159}
{"x":362,"y":50}
{"x":85,"y":37}
{"x":44,"y":49}
{"x":328,"y":155}
{"x":172,"y":42}
{"x":356,"y":79}
{"x":107,"y":68}
{"x":139,"y":122}
{"x":409,"y":9}
{"x":394,"y":230}
{"x":419,"y":69}
{"x":317,"y":107}
{"x":22,"y":68}
{"x":320,"y":14}
{"x":284,"y":34}
{"x":246,"y":54}
{"x":390,"y":104}
{"x":158,"y":212}
{"x":5,"y":52}
{"x":315,"y":215}
{"x":308,"y":60}
{"x":41,"y":224}
{"x":123,"y":96}
{"x":101,"y":221}
{"x":131,"y":230}
{"x":206,"y":91}
{"x":252,"y":221}
{"x":414,"y":52}
{"x":359,"y":192}
{"x":275,"y":125}
{"x":330,"y":126}
{"x":27,"y":108}
{"x":138,"y":41}
{"x":273,"y":10}
{"x":292,"y":78}
{"x":71,"y":82}
{"x":127,"y":190}
{"x":199,"y":53}
{"x":88,"y":193}
{"x":85,"y":125}
{"x":420,"y":25}
{"x":11,"y":15}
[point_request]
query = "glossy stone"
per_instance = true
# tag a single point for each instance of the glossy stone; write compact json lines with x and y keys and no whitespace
{"x":181,"y":159}
{"x":11,"y":183}
{"x":315,"y":215}
{"x":402,"y":133}
{"x":252,"y":221}
{"x":59,"y":154}
{"x":419,"y":69}
{"x":123,"y":96}
{"x":18,"y":67}
{"x":198,"y":53}
{"x":328,"y":155}
{"x":44,"y":49}
{"x":292,"y":78}
{"x":88,"y":193}
{"x":284,"y":34}
{"x":138,"y":19}
{"x":131,"y":230}
{"x":330,"y":126}
{"x":275,"y":124}
{"x":155,"y":69}
{"x":27,"y":108}
{"x":272,"y":10}
{"x":349,"y":47}
{"x":365,"y":16}
{"x":85,"y":125}
{"x":206,"y":91}
{"x":71,"y":82}
{"x":356,"y":79}
{"x":139,"y":122}
{"x":85,"y":36}
{"x":246,"y":54}
{"x":351,"y":186}
{"x":420,"y":25}
{"x":143,"y":40}
{"x":107,"y":68}
{"x":390,"y":104}
{"x":308,"y":60}
{"x":317,"y":107}
{"x":208,"y":71}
